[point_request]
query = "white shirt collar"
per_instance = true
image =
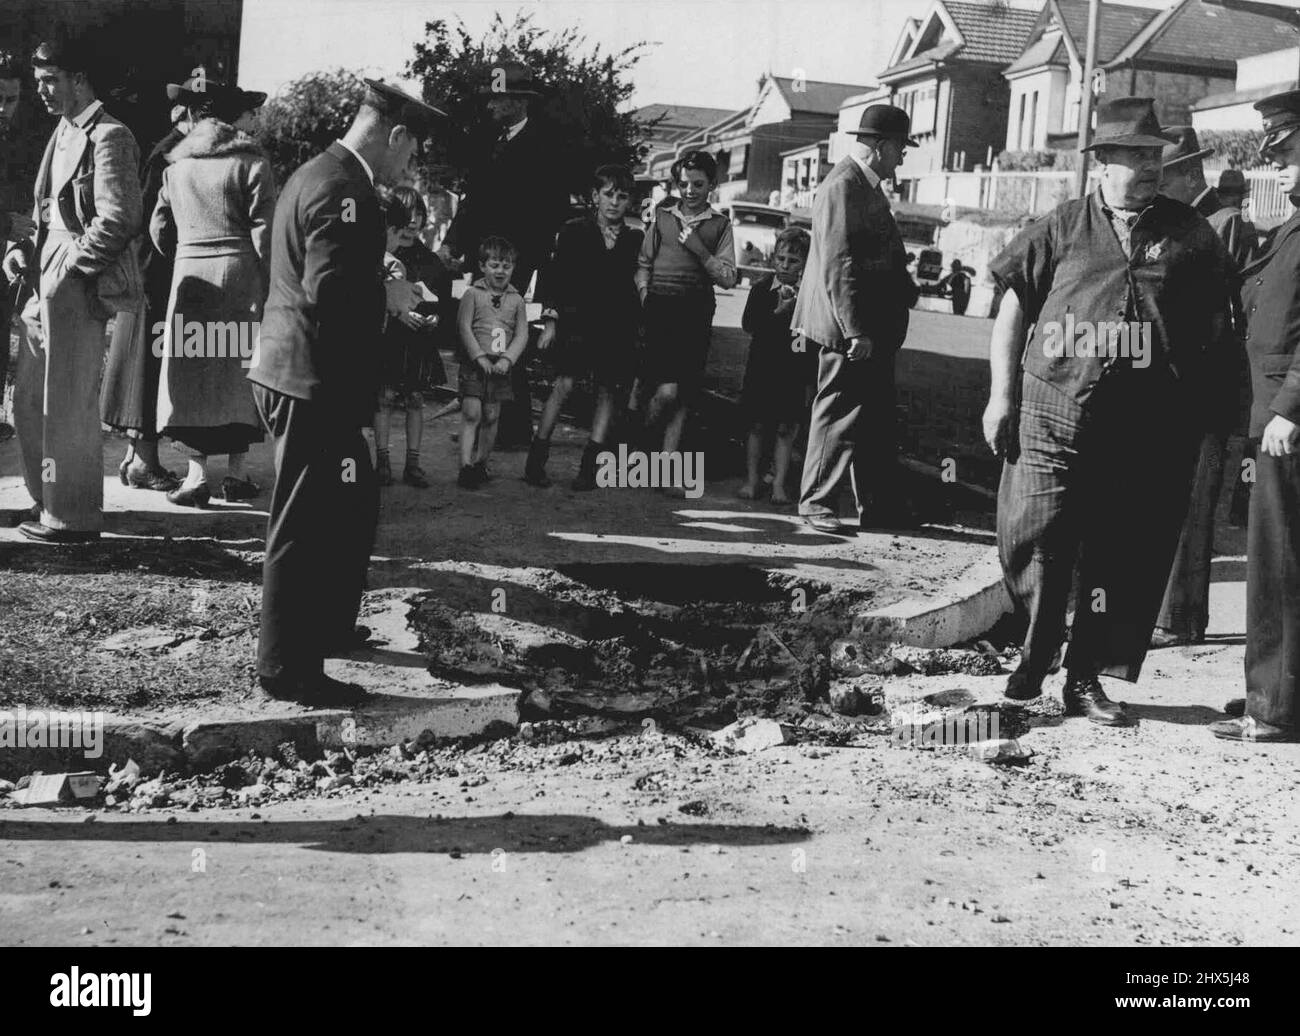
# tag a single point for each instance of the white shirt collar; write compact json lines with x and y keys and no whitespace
{"x":870,"y":173}
{"x":87,"y":113}
{"x":370,"y":173}
{"x":513,"y":131}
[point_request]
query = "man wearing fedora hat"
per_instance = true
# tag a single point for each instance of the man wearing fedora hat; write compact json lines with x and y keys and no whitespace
{"x":315,"y":381}
{"x":854,"y":305}
{"x":1271,"y":297}
{"x":1184,"y":613}
{"x":1099,"y":414}
{"x":516,"y":190}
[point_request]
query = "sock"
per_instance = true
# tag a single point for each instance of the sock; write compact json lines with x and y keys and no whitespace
{"x":412,"y":458}
{"x":381,"y":456}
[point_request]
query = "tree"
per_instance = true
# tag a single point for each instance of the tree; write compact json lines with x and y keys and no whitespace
{"x":582,"y":94}
{"x":307,"y":117}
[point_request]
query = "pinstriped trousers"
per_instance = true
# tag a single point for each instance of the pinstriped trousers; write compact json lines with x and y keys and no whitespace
{"x":1104,"y":489}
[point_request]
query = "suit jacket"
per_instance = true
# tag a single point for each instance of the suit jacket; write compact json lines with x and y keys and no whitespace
{"x":516,"y":191}
{"x":325,"y":308}
{"x":1271,"y":296}
{"x":100,"y":204}
{"x":855,"y":283}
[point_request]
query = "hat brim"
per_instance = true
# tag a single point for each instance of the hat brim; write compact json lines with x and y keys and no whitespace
{"x":1188,"y":158}
{"x":1275,"y":137}
{"x":487,"y":92}
{"x":1131,"y":140}
{"x":909,"y":141}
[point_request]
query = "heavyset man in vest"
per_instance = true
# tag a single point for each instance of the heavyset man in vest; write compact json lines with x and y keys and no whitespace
{"x":1128,"y":365}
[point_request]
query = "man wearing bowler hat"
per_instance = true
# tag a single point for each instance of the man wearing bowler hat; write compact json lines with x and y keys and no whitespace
{"x":1100,"y":413}
{"x":1271,"y":297}
{"x":515,"y":190}
{"x":315,"y":382}
{"x":1184,"y":613}
{"x":854,"y":303}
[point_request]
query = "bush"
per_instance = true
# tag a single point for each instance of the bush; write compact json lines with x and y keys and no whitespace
{"x":1239,"y":148}
{"x":309,"y":115}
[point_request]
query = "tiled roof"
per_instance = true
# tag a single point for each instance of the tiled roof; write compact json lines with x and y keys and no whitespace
{"x":1119,"y":24}
{"x":1046,"y":50}
{"x":993,"y":32}
{"x":815,"y":95}
{"x":1201,"y":34}
{"x":680,"y":114}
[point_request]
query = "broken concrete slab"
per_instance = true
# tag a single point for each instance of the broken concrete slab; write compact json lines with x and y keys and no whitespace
{"x":1003,"y":751}
{"x":753,"y":735}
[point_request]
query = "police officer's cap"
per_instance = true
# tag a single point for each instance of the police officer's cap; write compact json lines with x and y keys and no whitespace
{"x":401,"y":108}
{"x":1281,"y":114}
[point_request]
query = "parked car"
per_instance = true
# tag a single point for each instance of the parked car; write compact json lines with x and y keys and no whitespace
{"x":755,"y":228}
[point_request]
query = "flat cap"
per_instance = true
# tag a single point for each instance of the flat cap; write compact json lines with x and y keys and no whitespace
{"x":401,"y":107}
{"x":1281,"y":114}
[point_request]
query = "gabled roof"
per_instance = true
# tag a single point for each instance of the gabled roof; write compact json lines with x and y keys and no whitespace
{"x":1118,"y":25}
{"x":985,"y":31}
{"x":1195,"y":35}
{"x":679,"y":114}
{"x":815,"y":95}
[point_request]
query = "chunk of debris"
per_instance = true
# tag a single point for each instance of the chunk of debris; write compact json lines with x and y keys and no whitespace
{"x":752,"y":735}
{"x":53,"y":789}
{"x":122,"y":778}
{"x":1004,"y":751}
{"x":857,"y":697}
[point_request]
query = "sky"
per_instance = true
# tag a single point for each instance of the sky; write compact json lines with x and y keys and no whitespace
{"x":705,"y":52}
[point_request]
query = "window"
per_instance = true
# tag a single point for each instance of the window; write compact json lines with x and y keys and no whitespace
{"x":1033,"y":120}
{"x":1020,"y":125}
{"x":925,"y":105}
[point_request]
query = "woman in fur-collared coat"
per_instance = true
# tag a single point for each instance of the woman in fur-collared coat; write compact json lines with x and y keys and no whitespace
{"x":214,"y":214}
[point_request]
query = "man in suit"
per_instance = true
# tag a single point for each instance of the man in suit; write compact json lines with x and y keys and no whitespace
{"x":516,"y":190}
{"x":1100,"y":414}
{"x":17,"y":172}
{"x":315,"y":382}
{"x":1184,"y":613}
{"x":88,"y":210}
{"x":1271,"y":297}
{"x":854,"y":304}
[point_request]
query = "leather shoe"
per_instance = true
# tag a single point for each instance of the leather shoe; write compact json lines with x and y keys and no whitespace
{"x":1084,"y":697}
{"x":44,"y":534}
{"x":1235,"y":707}
{"x":193,"y":496}
{"x":32,"y":514}
{"x":828,"y":523}
{"x":1245,"y":728}
{"x":354,"y":641}
{"x":1163,"y":638}
{"x":235,"y":489}
{"x":317,"y":691}
{"x":1022,"y":687}
{"x":161,"y":481}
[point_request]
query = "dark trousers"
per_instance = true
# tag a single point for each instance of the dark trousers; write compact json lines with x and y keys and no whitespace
{"x":1273,"y":591}
{"x":516,"y":422}
{"x":6,"y":331}
{"x":324,"y":509}
{"x":1105,"y":490}
{"x":1186,"y":607}
{"x":852,"y":428}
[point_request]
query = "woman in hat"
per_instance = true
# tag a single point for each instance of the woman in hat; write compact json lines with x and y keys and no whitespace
{"x":214,"y":215}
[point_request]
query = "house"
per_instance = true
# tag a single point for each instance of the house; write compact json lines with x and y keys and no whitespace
{"x":802,"y":169}
{"x":666,"y":125}
{"x":1258,"y":76}
{"x":749,"y":145}
{"x":1178,"y":55}
{"x":1045,"y":77}
{"x":946,"y":73}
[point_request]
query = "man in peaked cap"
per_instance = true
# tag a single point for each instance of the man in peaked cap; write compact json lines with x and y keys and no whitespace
{"x":1271,"y":296}
{"x":1100,"y":414}
{"x":315,"y":382}
{"x":516,"y":189}
{"x":1184,"y":613}
{"x":854,"y":306}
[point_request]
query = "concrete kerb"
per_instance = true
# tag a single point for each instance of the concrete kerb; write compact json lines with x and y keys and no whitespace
{"x":972,"y":605}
